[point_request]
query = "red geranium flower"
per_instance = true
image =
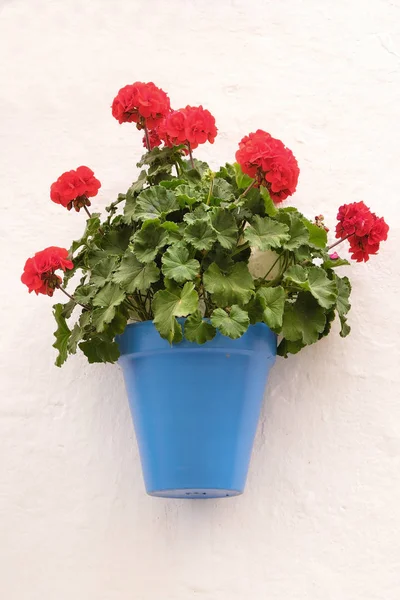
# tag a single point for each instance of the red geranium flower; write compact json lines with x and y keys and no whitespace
{"x":363,"y":228}
{"x":191,"y":125}
{"x":354,"y":218}
{"x":266,"y":158}
{"x":141,"y":102}
{"x":154,"y":139}
{"x":73,"y":188}
{"x":379,"y":231}
{"x":39,"y":271}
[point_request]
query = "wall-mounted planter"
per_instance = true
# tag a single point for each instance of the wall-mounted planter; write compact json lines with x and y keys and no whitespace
{"x":195,"y":408}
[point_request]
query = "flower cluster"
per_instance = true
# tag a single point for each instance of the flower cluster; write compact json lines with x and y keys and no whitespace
{"x":39,"y":271}
{"x":73,"y":188}
{"x":269,"y":161}
{"x":364,"y":230}
{"x":141,"y":103}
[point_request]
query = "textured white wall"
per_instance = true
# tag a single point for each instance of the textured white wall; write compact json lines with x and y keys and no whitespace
{"x":320,"y":518}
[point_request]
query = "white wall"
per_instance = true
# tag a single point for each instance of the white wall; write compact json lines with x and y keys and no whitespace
{"x":320,"y":518}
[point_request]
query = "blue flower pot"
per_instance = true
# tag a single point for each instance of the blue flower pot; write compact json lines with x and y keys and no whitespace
{"x":195,"y":408}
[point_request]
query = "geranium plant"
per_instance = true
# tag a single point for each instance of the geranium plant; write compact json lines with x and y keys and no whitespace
{"x":178,"y":243}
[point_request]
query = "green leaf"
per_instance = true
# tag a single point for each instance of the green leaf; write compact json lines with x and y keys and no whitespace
{"x":272,"y":300}
{"x":298,"y":232}
{"x":187,"y":195}
{"x":242,"y":180}
{"x":118,"y":324}
{"x":200,"y":212}
{"x":84,"y":320}
{"x":137,"y":185}
{"x":345,"y":328}
{"x":149,"y":240}
{"x":318,"y":236}
{"x":68,"y":308}
{"x":84,"y":293}
{"x":200,"y":234}
{"x":62,"y":335}
{"x":110,"y":295}
{"x":102,"y":271}
{"x":116,"y":241}
{"x":106,"y":300}
{"x":155,"y":202}
{"x":265,"y":233}
{"x":303,"y":253}
{"x":133,"y":275}
{"x":322,"y":288}
{"x":314,"y":280}
{"x":175,"y":231}
{"x":234,"y":287}
{"x":172,"y":184}
{"x":100,"y":349}
{"x":332,"y":264}
{"x":222,"y":191}
{"x":270,"y":208}
{"x":92,"y":227}
{"x":198,"y":330}
{"x":233,"y":324}
{"x":344,"y":289}
{"x":178,"y":265}
{"x":225,"y":225}
{"x":297,"y":275}
{"x":287,"y":347}
{"x":75,"y":337}
{"x":171,"y":303}
{"x":303,"y":320}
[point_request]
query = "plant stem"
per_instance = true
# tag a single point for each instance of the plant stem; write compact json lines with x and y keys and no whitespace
{"x":248,"y":189}
{"x":210,"y":192}
{"x":269,"y":270}
{"x":71,"y":297}
{"x":87,"y":211}
{"x":146,"y":134}
{"x":240,"y":248}
{"x":340,"y":241}
{"x":191,"y":156}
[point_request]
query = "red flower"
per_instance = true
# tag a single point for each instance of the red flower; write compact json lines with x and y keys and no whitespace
{"x":199,"y":126}
{"x":141,"y":102}
{"x":154,"y":139}
{"x":361,"y":249}
{"x":354,"y":218}
{"x":73,"y":188}
{"x":363,"y":228}
{"x":39,"y":271}
{"x":263,"y":157}
{"x":379,"y":231}
{"x":191,"y":125}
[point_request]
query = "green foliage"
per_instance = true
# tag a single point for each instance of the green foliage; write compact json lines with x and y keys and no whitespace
{"x":132,"y":275}
{"x":265,"y":233}
{"x":148,"y":241}
{"x":200,"y":234}
{"x":176,"y":250}
{"x":233,"y":322}
{"x":62,"y":335}
{"x":272,"y":302}
{"x":233,"y":287}
{"x":178,"y":265}
{"x":171,"y":303}
{"x":155,"y":202}
{"x":198,"y":330}
{"x":225,"y":226}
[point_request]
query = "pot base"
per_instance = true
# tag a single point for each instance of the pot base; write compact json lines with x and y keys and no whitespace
{"x":195,"y":493}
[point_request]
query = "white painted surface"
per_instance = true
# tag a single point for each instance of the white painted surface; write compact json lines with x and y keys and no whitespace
{"x":320,"y":519}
